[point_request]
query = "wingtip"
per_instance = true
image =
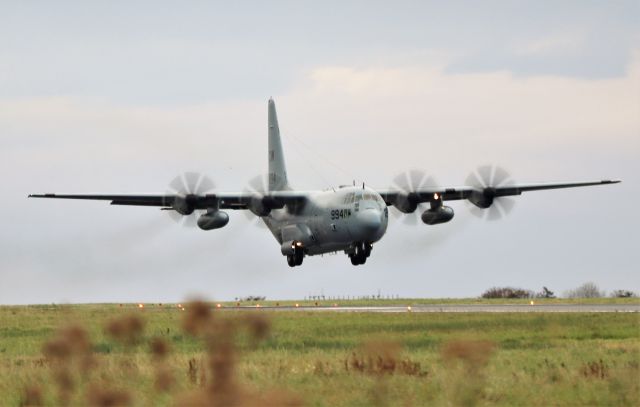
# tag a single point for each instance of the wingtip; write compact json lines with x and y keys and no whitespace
{"x":611,"y":181}
{"x":47,"y":195}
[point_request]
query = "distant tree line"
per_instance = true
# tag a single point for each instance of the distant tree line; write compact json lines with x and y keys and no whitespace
{"x":586,"y":290}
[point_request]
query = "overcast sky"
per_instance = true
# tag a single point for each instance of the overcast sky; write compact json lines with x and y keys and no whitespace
{"x":120,"y":97}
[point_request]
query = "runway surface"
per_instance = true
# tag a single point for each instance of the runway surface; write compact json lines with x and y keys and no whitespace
{"x":461,"y":308}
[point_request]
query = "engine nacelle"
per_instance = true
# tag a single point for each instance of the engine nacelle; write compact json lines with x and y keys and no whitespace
{"x":259,"y":207}
{"x":263,"y":206}
{"x":182,"y":205}
{"x":213,"y":220}
{"x":289,"y":247}
{"x":483,"y":199}
{"x":435,"y":216}
{"x":405,"y":204}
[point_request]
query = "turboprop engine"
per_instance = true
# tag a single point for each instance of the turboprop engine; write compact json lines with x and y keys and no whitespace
{"x":213,"y":220}
{"x":438,"y":215}
{"x":183,"y":205}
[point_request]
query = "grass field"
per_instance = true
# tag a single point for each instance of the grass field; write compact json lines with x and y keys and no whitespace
{"x":111,"y":354}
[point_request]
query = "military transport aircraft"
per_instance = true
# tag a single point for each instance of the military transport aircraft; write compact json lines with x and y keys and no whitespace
{"x":349,"y":218}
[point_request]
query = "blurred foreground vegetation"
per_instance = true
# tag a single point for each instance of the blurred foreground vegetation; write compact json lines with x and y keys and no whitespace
{"x":195,"y":354}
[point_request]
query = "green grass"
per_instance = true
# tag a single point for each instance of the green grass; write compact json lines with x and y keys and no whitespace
{"x":527,"y":359}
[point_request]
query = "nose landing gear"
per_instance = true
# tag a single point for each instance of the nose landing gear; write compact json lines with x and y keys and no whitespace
{"x":360,"y":253}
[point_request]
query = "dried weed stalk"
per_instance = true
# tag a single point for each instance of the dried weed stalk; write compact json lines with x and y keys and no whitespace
{"x":103,"y":396}
{"x":127,"y":329}
{"x":220,"y":336}
{"x":466,"y":360}
{"x":381,"y":357}
{"x":31,"y":396}
{"x":68,"y":352}
{"x":595,"y":369}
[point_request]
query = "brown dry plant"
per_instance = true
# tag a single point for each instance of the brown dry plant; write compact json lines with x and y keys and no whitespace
{"x":473,"y":353}
{"x":164,"y":379}
{"x":31,"y":396}
{"x":466,"y":360}
{"x":99,"y":395}
{"x":68,"y":351}
{"x":127,"y":329}
{"x":198,"y":318}
{"x":221,"y":340}
{"x":595,"y":370}
{"x":382,"y":357}
{"x":159,"y":348}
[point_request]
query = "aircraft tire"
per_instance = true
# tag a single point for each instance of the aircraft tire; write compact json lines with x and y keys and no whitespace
{"x":358,"y":258}
{"x":291,"y":260}
{"x":298,"y":257}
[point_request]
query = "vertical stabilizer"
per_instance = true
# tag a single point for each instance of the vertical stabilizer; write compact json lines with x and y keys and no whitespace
{"x":277,"y":169}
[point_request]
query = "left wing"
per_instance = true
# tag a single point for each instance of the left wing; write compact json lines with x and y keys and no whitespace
{"x":187,"y":203}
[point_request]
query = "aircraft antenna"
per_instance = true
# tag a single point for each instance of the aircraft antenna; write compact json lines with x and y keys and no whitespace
{"x":317,"y":153}
{"x":308,"y":161}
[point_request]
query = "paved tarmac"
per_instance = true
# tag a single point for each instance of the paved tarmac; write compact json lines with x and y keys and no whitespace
{"x":464,"y":308}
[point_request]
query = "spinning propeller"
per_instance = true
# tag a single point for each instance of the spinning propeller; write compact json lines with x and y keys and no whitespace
{"x":406,"y":201}
{"x":258,"y":187}
{"x":485,"y":179}
{"x":187,"y":187}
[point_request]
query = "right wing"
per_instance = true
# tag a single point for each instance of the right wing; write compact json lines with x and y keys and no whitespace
{"x":476,"y":195}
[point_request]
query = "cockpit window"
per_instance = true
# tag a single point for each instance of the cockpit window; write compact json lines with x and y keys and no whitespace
{"x":349,"y":198}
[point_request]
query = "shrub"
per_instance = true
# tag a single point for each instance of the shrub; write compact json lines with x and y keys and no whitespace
{"x":507,"y":292}
{"x":586,"y":290}
{"x":623,"y":294}
{"x":545,"y":293}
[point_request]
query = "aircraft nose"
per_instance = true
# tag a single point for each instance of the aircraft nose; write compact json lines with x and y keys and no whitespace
{"x":370,"y":220}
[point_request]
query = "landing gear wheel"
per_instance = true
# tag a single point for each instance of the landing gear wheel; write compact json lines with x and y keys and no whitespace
{"x":296,"y":258}
{"x":367,"y":249}
{"x":360,"y":254}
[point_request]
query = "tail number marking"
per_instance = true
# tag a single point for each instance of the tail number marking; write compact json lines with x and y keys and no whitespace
{"x":340,"y":214}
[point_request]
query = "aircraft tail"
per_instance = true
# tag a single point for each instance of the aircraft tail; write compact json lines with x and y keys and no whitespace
{"x":277,"y":169}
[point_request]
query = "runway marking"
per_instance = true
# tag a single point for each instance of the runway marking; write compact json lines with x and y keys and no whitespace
{"x":462,"y":308}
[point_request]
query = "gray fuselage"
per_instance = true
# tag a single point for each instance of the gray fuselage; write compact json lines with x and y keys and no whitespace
{"x":332,"y":220}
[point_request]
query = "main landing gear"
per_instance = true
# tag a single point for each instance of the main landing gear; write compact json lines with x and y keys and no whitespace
{"x":360,"y":253}
{"x":296,"y":258}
